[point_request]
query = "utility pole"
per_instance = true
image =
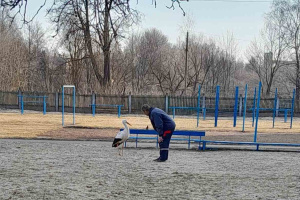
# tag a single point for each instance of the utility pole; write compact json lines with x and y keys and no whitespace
{"x":186,"y":60}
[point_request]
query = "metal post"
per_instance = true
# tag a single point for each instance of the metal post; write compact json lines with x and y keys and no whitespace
{"x":167,"y":103}
{"x":245,"y":107}
{"x":235,"y":106}
{"x":241,"y":105}
{"x":74,"y":104}
{"x":56,"y":101}
{"x":285,"y":115}
{"x":119,"y":111}
{"x":93,"y":109}
{"x":217,"y":105}
{"x":292,"y":109}
{"x":93,"y":103}
{"x":257,"y":112}
{"x":22,"y":105}
{"x":129,"y":103}
{"x":274,"y":109}
{"x":44,"y":105}
{"x":203,"y":107}
{"x":198,"y":104}
{"x":277,"y":107}
{"x":19,"y":101}
{"x":253,"y":108}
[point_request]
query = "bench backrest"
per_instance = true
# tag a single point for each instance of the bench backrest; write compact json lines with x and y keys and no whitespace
{"x":153,"y":132}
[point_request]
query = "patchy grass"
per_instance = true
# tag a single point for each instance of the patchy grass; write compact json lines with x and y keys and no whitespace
{"x":32,"y":125}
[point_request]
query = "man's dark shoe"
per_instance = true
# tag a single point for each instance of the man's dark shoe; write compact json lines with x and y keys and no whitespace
{"x":156,"y":159}
{"x":159,"y":160}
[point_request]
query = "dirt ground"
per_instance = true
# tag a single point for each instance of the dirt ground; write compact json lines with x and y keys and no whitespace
{"x":51,"y":169}
{"x":43,"y":160}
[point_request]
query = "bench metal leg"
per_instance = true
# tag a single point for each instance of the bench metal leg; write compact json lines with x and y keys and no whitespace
{"x":257,"y":147}
{"x":189,"y":145}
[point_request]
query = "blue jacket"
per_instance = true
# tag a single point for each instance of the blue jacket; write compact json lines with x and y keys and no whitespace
{"x":161,"y":121}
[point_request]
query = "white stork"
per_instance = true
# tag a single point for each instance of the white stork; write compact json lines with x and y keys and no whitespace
{"x":121,"y":137}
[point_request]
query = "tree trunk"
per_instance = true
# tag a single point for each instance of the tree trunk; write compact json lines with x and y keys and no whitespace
{"x":106,"y":45}
{"x":88,"y":43}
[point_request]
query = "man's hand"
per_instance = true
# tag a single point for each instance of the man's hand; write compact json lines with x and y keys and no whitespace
{"x":160,"y":139}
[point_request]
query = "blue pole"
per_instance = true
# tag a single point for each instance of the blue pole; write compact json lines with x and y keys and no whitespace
{"x":235,"y":106}
{"x":245,"y":107}
{"x":285,"y":115}
{"x":198,"y":104}
{"x":93,"y":108}
{"x":74,"y":99}
{"x":217,"y":105}
{"x":63,"y":106}
{"x":292,"y":109}
{"x":253,"y":108}
{"x":44,"y":105}
{"x":275,"y":105}
{"x":119,"y":111}
{"x":257,"y":112}
{"x":22,"y":105}
{"x":203,"y":107}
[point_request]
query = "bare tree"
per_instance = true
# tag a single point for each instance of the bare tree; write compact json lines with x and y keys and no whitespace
{"x":266,"y":57}
{"x":13,"y":55}
{"x":37,"y":64}
{"x":287,"y":14}
{"x":229,"y":48}
{"x":100,"y":21}
{"x":74,"y":45}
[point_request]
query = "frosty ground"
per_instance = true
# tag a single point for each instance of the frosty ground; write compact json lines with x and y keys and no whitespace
{"x":51,"y":169}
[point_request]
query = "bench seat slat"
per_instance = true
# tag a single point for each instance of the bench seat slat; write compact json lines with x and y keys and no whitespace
{"x":148,"y":138}
{"x":155,"y":138}
{"x":153,"y":132}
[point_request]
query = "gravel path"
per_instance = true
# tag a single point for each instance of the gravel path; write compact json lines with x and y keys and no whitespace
{"x":49,"y":169}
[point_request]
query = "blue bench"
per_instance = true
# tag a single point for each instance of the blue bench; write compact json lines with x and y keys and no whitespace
{"x":147,"y":133}
{"x":106,"y":105}
{"x":257,"y":144}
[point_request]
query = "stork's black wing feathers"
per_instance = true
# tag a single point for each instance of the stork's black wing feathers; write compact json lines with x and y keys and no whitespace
{"x":116,"y":142}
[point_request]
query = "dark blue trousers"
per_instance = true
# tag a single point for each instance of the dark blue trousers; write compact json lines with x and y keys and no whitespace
{"x":164,"y":145}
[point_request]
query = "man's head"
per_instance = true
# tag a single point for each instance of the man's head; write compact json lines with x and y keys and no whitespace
{"x":146,"y":109}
